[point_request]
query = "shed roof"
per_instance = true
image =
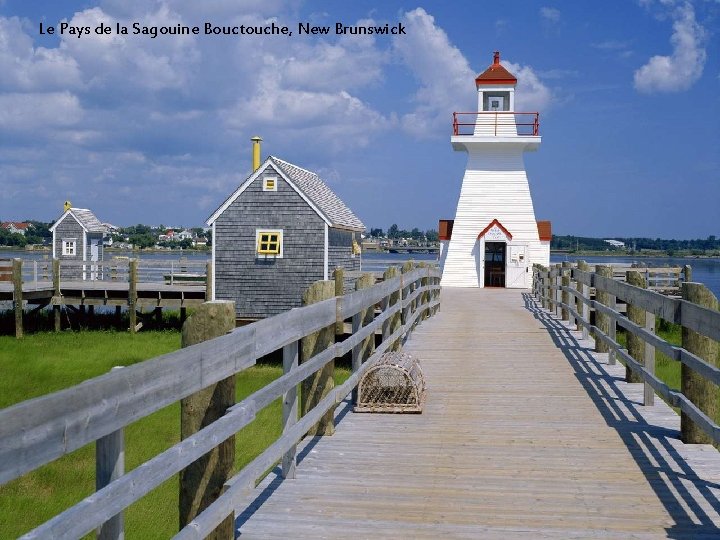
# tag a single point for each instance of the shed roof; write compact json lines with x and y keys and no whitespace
{"x":84,"y":217}
{"x":311,"y":187}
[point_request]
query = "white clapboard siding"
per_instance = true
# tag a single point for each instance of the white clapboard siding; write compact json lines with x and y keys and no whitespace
{"x":495,"y":186}
{"x":500,"y":124}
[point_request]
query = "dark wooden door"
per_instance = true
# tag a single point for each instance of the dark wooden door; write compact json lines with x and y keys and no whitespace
{"x":495,"y":264}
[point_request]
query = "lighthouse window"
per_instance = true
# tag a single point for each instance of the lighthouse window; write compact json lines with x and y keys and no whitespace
{"x":269,"y":242}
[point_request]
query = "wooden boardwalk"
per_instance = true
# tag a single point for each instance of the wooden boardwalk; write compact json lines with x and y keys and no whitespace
{"x":525,"y":434}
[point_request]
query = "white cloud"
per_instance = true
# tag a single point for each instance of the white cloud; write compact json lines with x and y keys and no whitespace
{"x":680,"y":70}
{"x":39,"y":112}
{"x":443,"y":72}
{"x":447,"y":81}
{"x":550,"y":14}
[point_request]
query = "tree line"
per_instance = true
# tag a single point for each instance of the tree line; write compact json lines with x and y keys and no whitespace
{"x":583,"y":243}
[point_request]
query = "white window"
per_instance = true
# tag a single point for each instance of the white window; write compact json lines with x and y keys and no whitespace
{"x":270,"y":183}
{"x":269,"y":243}
{"x":69,"y":247}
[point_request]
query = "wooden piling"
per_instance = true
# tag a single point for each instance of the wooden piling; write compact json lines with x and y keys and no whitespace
{"x":208,"y":282}
{"x":406,"y":291}
{"x":56,"y":294}
{"x":565,"y":281}
{"x":339,"y":277}
{"x":203,"y":481}
{"x":290,"y":408}
{"x":17,"y":296}
{"x":132,"y":294}
{"x":699,"y":390}
{"x":363,"y":350}
{"x":602,"y":321}
{"x":321,"y":383}
{"x":393,"y":323}
{"x":584,"y":307}
{"x":635,"y":345}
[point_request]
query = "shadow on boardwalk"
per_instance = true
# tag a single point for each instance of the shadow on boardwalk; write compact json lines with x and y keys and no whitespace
{"x":651,"y":434}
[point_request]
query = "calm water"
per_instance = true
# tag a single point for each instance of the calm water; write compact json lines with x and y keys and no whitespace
{"x":705,"y":271}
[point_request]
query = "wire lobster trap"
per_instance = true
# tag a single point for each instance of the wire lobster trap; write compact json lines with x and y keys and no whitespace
{"x":394,"y":385}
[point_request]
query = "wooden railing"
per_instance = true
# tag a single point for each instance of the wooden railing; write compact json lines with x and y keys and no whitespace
{"x":38,"y":431}
{"x":180,"y":271}
{"x":566,"y":290}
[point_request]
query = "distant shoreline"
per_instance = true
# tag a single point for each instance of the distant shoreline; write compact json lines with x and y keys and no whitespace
{"x":642,"y":254}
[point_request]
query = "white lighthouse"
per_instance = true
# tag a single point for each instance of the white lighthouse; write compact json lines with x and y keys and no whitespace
{"x":494,"y":239}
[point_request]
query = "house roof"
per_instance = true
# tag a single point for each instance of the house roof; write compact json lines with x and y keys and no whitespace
{"x":309,"y":186}
{"x":495,"y":74}
{"x":15,"y":224}
{"x":84,"y":217}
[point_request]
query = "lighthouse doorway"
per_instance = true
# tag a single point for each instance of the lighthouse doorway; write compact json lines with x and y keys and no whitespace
{"x":494,"y":264}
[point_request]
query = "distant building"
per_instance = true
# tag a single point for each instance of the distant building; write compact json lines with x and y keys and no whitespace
{"x":16,"y":227}
{"x":280,"y":231}
{"x":184,"y":235}
{"x":78,"y":236}
{"x":616,"y":243}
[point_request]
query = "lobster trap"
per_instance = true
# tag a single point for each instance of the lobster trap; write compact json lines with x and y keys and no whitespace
{"x":394,"y":385}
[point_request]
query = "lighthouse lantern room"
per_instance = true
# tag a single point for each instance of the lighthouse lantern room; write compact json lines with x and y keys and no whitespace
{"x":494,"y":239}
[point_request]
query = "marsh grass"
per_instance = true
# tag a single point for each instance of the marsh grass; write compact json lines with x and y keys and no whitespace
{"x":46,"y":362}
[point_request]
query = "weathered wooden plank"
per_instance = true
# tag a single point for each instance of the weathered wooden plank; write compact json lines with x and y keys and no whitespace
{"x":102,"y":505}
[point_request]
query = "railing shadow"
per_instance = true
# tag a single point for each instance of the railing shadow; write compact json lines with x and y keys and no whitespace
{"x":670,"y":477}
{"x":275,"y":475}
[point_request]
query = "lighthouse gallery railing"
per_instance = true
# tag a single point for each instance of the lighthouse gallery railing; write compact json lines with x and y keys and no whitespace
{"x":526,"y":123}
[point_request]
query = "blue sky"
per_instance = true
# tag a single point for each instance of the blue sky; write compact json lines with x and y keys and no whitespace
{"x":157,"y":130}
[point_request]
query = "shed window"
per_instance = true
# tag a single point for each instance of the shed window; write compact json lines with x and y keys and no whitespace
{"x":269,"y":242}
{"x":270,"y":183}
{"x":69,"y":247}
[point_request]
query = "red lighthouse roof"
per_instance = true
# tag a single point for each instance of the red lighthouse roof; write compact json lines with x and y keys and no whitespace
{"x":495,"y":74}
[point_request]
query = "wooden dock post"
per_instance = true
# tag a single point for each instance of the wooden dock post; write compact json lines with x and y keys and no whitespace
{"x":363,"y":350}
{"x":203,"y":481}
{"x":339,"y":277}
{"x":18,"y":296}
{"x":565,"y":282}
{"x":406,"y":291}
{"x":109,"y":466}
{"x":635,"y":345}
{"x":697,"y":388}
{"x":321,"y":383}
{"x":208,"y":282}
{"x":56,"y":293}
{"x":393,"y":323}
{"x":687,"y":273}
{"x":583,"y":307}
{"x":557,"y":293}
{"x":602,"y":321}
{"x":132,"y":293}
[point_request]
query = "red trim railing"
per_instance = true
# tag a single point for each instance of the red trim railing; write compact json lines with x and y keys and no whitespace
{"x":527,"y":124}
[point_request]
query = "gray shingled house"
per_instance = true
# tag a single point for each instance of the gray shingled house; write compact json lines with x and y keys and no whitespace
{"x":78,"y":236}
{"x":281,"y":230}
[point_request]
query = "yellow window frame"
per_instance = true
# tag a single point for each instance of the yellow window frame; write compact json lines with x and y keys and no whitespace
{"x":270,"y":183}
{"x":269,"y":242}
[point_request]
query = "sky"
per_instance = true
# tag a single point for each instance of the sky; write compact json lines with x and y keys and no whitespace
{"x":157,"y":130}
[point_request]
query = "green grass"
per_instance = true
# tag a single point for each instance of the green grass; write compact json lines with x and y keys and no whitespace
{"x":44,"y":363}
{"x":666,"y":369}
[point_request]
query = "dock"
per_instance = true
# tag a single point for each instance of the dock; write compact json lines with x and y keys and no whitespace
{"x":526,"y":433}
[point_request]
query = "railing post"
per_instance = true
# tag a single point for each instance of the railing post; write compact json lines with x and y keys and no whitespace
{"x":56,"y":301}
{"x":687,"y":273}
{"x":18,"y":296}
{"x":585,"y":291}
{"x":290,"y":408}
{"x":363,"y":350}
{"x":209,"y":293}
{"x":320,"y":383}
{"x":339,"y":277}
{"x":132,"y":293}
{"x":565,"y":281}
{"x":635,"y":345}
{"x":602,"y":321}
{"x":407,"y":288}
{"x":109,"y":466}
{"x":649,"y":392}
{"x":557,"y":293}
{"x":203,"y":481}
{"x":393,"y":323}
{"x":697,"y":388}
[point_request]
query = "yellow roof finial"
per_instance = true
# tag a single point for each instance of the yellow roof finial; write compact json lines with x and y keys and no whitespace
{"x":256,"y":152}
{"x":67,"y":206}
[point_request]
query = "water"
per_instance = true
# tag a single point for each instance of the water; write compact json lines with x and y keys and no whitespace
{"x":705,"y":271}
